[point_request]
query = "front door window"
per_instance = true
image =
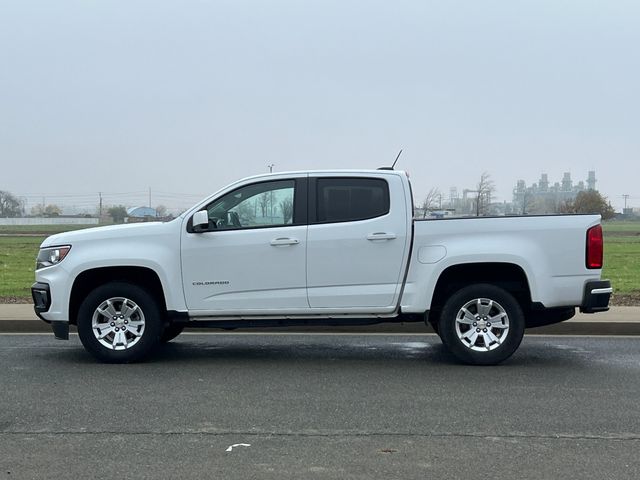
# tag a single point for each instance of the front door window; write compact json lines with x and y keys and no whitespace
{"x":267,"y":204}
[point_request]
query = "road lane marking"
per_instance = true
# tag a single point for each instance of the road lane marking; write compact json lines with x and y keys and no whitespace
{"x":231,"y":447}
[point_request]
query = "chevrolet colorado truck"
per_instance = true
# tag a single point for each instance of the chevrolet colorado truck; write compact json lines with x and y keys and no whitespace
{"x":320,"y":248}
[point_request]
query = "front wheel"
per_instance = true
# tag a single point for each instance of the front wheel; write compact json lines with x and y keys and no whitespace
{"x":119,"y":323}
{"x":482,"y":324}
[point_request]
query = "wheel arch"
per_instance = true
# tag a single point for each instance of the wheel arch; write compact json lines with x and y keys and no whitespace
{"x":88,"y":280}
{"x":508,"y":276}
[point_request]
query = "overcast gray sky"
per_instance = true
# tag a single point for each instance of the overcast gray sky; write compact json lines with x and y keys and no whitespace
{"x":186,"y":96}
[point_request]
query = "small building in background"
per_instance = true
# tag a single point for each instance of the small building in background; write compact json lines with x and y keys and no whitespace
{"x":141,"y":212}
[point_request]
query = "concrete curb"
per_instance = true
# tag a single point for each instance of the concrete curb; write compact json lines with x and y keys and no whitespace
{"x":20,"y":318}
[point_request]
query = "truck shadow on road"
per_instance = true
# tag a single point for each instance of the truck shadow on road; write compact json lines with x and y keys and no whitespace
{"x":242,"y":350}
{"x":246,"y":350}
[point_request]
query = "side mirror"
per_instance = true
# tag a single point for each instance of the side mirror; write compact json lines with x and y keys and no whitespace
{"x":200,"y":221}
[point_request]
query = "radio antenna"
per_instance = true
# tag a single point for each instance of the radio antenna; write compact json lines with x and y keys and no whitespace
{"x":396,"y":160}
{"x":394,"y":163}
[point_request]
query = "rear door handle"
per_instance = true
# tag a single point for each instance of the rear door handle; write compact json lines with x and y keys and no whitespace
{"x":276,"y":242}
{"x":381,"y":236}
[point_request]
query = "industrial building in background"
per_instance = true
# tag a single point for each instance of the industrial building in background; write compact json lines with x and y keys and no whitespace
{"x":543,"y":197}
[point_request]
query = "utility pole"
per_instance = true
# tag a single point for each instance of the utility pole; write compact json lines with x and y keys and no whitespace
{"x":149,"y":197}
{"x":100,"y":209}
{"x":625,"y":196}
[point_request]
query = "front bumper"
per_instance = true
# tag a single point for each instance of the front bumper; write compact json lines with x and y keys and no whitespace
{"x":41,"y":295}
{"x":596,"y":296}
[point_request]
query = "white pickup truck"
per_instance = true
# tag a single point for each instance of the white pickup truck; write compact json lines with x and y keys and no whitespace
{"x":320,"y":248}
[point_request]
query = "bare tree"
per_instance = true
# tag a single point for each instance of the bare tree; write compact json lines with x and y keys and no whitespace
{"x":161,"y":211}
{"x":52,"y":210}
{"x":527,"y":203}
{"x":10,"y":206}
{"x":484,"y":191}
{"x":286,"y":207}
{"x":589,"y":202}
{"x":433,"y":199}
{"x":263,"y":202}
{"x":37,"y":210}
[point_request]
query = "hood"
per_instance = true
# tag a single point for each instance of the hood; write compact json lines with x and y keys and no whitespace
{"x":107,"y":232}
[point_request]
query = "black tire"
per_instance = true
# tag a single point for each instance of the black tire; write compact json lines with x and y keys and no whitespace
{"x":147,"y":314}
{"x":170,"y":332}
{"x":482,"y":343}
{"x":435,"y":326}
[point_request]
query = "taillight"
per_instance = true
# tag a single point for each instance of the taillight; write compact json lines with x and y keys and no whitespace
{"x":594,"y":247}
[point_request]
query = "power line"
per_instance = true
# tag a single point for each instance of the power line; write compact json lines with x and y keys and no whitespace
{"x":176,"y":194}
{"x":61,"y":195}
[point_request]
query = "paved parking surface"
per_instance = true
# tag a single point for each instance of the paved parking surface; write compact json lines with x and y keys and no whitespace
{"x":320,"y":406}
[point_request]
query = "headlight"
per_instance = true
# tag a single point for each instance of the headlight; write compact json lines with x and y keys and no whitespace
{"x":50,"y":256}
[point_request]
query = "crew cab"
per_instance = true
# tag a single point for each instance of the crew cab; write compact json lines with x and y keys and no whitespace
{"x":320,"y":248}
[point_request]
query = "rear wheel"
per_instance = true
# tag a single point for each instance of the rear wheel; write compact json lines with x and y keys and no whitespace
{"x":482,"y":324}
{"x":119,"y":323}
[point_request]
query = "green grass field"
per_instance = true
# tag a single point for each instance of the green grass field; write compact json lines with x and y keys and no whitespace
{"x":40,"y":229}
{"x":622,"y":260}
{"x":614,"y":227}
{"x":17,"y":264}
{"x":622,"y":265}
{"x":622,"y":256}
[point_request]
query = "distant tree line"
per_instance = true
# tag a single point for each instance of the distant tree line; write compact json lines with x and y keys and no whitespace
{"x":48,"y":211}
{"x":11,"y":206}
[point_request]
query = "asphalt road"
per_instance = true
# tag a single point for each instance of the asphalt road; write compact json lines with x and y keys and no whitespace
{"x":320,"y":406}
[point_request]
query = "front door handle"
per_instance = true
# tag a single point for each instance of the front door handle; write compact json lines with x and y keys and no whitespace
{"x":381,"y":236}
{"x":276,"y":242}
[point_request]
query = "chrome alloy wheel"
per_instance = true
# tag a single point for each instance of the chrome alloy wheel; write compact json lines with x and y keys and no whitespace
{"x":118,"y":323}
{"x":482,"y":324}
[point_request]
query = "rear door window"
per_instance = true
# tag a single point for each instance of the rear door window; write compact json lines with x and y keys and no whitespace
{"x":351,"y":199}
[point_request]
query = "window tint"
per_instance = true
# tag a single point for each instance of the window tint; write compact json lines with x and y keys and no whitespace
{"x":348,"y":199}
{"x":257,"y":205}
